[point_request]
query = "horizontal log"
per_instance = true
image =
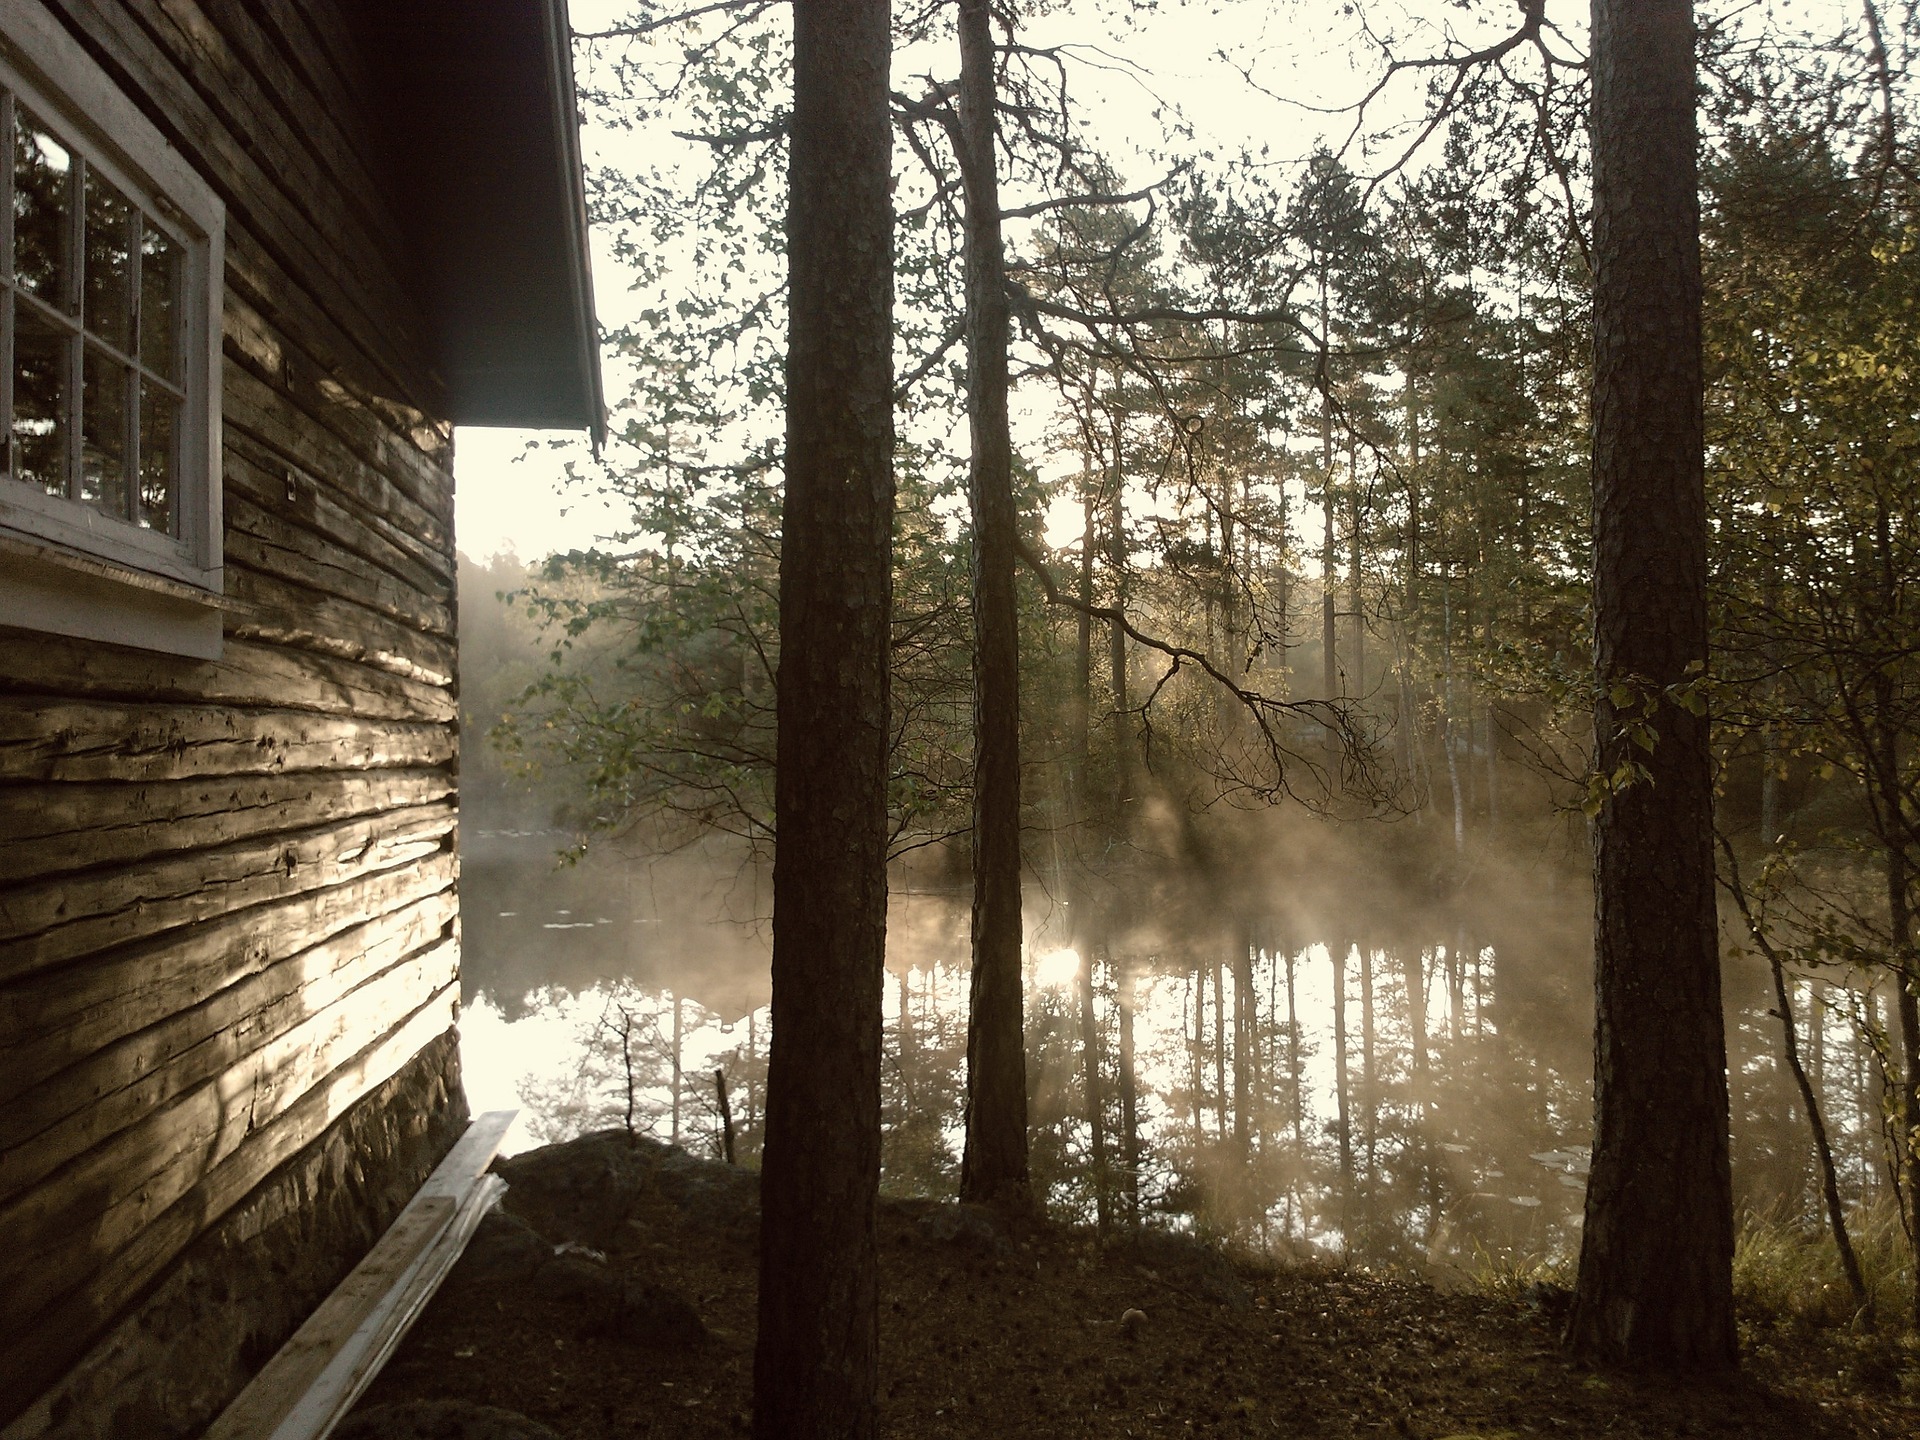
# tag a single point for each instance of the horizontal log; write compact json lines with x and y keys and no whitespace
{"x":414,"y":455}
{"x":313,"y":35}
{"x":44,"y":1344}
{"x":46,"y":739}
{"x":50,"y":922}
{"x":265,"y":414}
{"x":55,"y":1019}
{"x":223,"y":49}
{"x":256,"y":277}
{"x":258,"y":476}
{"x":246,"y":674}
{"x":263,"y":542}
{"x":49,"y":829}
{"x":58,"y":1230}
{"x":263,"y":608}
{"x":88,"y":1103}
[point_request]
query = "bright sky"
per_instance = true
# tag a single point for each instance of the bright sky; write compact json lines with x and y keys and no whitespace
{"x":509,"y":497}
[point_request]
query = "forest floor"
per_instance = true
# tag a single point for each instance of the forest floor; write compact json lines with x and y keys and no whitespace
{"x":641,"y":1324}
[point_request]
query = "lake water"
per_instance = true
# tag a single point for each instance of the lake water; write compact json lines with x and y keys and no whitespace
{"x":636,"y":992}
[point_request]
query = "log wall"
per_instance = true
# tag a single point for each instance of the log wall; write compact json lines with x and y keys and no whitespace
{"x":227,"y":888}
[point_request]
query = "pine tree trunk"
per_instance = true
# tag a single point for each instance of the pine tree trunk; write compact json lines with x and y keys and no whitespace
{"x":816,"y":1351}
{"x":1655,"y":1288}
{"x":993,"y":1169}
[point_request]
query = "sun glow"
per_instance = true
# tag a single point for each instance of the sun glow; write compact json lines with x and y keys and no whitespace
{"x":1057,"y":969}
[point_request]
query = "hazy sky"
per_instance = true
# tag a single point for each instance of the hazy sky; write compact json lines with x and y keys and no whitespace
{"x":1305,"y":56}
{"x":507,"y":498}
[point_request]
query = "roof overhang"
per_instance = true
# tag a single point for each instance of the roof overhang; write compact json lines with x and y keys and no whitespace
{"x":483,"y":121}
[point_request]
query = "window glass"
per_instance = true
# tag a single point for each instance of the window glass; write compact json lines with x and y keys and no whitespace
{"x":40,"y":366}
{"x":42,"y":208}
{"x":159,"y":302}
{"x":109,"y":263}
{"x":159,"y":424}
{"x":103,"y":430}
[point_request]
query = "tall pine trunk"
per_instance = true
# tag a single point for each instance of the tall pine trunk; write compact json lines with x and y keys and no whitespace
{"x":994,"y":1166}
{"x":1656,"y":1257}
{"x":816,"y":1351}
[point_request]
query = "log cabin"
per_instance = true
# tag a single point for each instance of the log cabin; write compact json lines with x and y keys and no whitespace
{"x":257,"y":258}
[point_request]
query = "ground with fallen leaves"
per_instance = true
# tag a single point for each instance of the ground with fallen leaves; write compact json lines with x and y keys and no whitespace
{"x":988,"y":1331}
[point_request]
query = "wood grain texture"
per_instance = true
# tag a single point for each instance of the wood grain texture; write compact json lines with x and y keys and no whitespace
{"x":113,"y":1089}
{"x":38,"y":1344}
{"x":56,"y":1019}
{"x":228,"y":901}
{"x":54,"y":828}
{"x":45,"y":924}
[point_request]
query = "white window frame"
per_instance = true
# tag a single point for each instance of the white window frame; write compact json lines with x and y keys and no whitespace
{"x":65,"y":566}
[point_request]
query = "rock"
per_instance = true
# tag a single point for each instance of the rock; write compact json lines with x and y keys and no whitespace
{"x":658,"y":1317}
{"x":504,"y":1252}
{"x":965,"y":1227}
{"x":507,"y":1264}
{"x":585,"y":1190}
{"x":440,"y":1420}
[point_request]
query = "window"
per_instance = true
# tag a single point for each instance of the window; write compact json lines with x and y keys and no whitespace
{"x":110,"y":256}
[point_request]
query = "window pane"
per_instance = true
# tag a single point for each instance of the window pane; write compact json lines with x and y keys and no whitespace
{"x":159,"y":427}
{"x":42,"y":208}
{"x":109,"y":272}
{"x":159,"y":302}
{"x":40,"y":369}
{"x":103,"y":434}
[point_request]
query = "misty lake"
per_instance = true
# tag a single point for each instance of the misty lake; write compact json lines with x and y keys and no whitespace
{"x":635,"y":990}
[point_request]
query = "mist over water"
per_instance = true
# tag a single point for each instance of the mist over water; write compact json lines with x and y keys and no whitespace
{"x":622,"y":985}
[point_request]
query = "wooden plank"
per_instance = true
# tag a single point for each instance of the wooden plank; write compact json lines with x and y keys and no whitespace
{"x":53,"y":828}
{"x":313,"y":37}
{"x":396,"y":441}
{"x":50,"y":1021}
{"x":256,"y":276}
{"x":247,"y":674}
{"x":82,"y":740}
{"x":261,"y":607}
{"x":59,"y":1334}
{"x":315,"y":1377}
{"x":105,"y":1093}
{"x":62,"y":920}
{"x":363,"y":1354}
{"x":236,"y":68}
{"x":277,"y":1389}
{"x":60,"y":1229}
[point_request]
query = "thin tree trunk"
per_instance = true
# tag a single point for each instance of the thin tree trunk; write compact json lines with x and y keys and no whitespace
{"x":816,"y":1349}
{"x":1245,"y":1046}
{"x":1123,"y":980}
{"x":677,"y":1032}
{"x":1900,"y":916}
{"x":1293,"y":1055}
{"x":993,"y":1169}
{"x":1344,"y":1119}
{"x":1655,"y":1287}
{"x":1219,"y":1055}
{"x":1823,"y":1150}
{"x":1096,"y":1106}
